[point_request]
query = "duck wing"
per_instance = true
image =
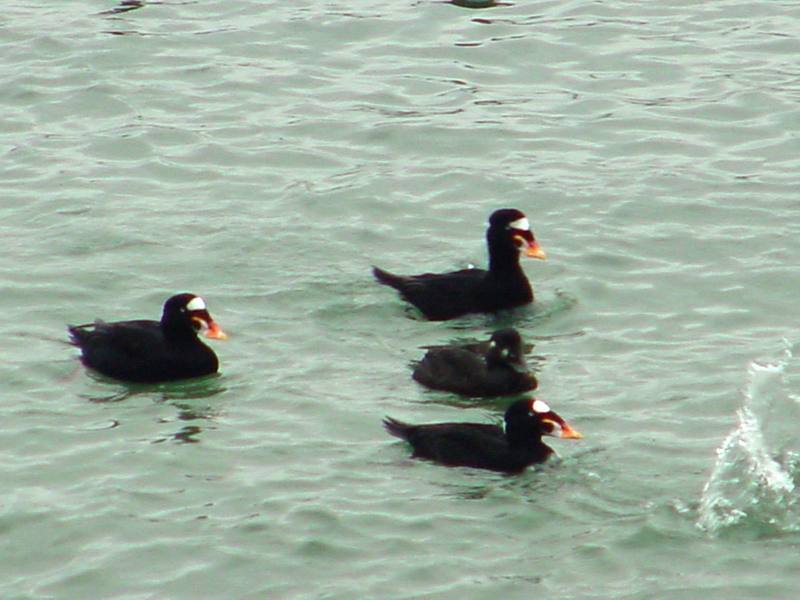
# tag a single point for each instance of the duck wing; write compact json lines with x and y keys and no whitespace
{"x":476,"y":445}
{"x":439,"y":296}
{"x":119,"y":349}
{"x":452,"y":369}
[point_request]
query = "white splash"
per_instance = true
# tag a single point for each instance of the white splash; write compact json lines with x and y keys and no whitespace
{"x":752,"y":481}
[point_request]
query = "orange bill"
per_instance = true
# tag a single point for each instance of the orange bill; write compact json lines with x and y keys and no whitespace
{"x":535,"y":251}
{"x":568,"y":433}
{"x":215,"y":332}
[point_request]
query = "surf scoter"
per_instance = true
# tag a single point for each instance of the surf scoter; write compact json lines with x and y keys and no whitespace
{"x":496,"y":368}
{"x":510,"y":449}
{"x":442,"y":296}
{"x":152,"y":351}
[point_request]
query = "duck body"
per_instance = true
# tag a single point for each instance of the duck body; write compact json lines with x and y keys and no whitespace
{"x":476,"y":445}
{"x":139,"y":351}
{"x":146,"y":351}
{"x":485,"y":446}
{"x":494,"y":368}
{"x":443,"y":296}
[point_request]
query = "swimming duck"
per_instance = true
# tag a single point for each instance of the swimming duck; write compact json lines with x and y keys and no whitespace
{"x":509,"y":449}
{"x":152,"y":351}
{"x":495,"y":368}
{"x":443,"y":296}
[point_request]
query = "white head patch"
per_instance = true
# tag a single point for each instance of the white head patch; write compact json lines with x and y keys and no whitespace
{"x":540,"y":407}
{"x":196,"y":303}
{"x":520,"y":224}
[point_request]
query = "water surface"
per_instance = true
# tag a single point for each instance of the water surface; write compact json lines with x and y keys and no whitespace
{"x":264,"y":155}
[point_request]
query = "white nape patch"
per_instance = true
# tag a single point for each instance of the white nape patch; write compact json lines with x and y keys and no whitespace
{"x":196,"y":303}
{"x":520,"y":224}
{"x":540,"y":407}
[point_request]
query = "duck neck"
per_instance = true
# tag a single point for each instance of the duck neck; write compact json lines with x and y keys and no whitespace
{"x":493,"y":361}
{"x":520,"y":437}
{"x":503,"y":254}
{"x":177,"y":329}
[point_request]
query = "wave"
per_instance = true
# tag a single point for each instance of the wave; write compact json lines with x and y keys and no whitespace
{"x":752,"y":487}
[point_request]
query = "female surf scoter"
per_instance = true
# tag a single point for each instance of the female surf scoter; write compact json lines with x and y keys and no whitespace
{"x":152,"y":351}
{"x":510,"y":449}
{"x":442,"y":296}
{"x":496,"y":368}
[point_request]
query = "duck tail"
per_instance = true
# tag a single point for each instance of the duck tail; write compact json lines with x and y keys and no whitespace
{"x":77,"y":334}
{"x":397,"y":428}
{"x":387,"y":278}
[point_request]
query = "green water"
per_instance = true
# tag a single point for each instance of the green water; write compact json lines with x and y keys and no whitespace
{"x":264,"y":155}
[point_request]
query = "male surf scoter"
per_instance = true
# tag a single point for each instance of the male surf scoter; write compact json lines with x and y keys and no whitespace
{"x":510,"y":449}
{"x":152,"y":351}
{"x":442,"y":296}
{"x":496,"y":368}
